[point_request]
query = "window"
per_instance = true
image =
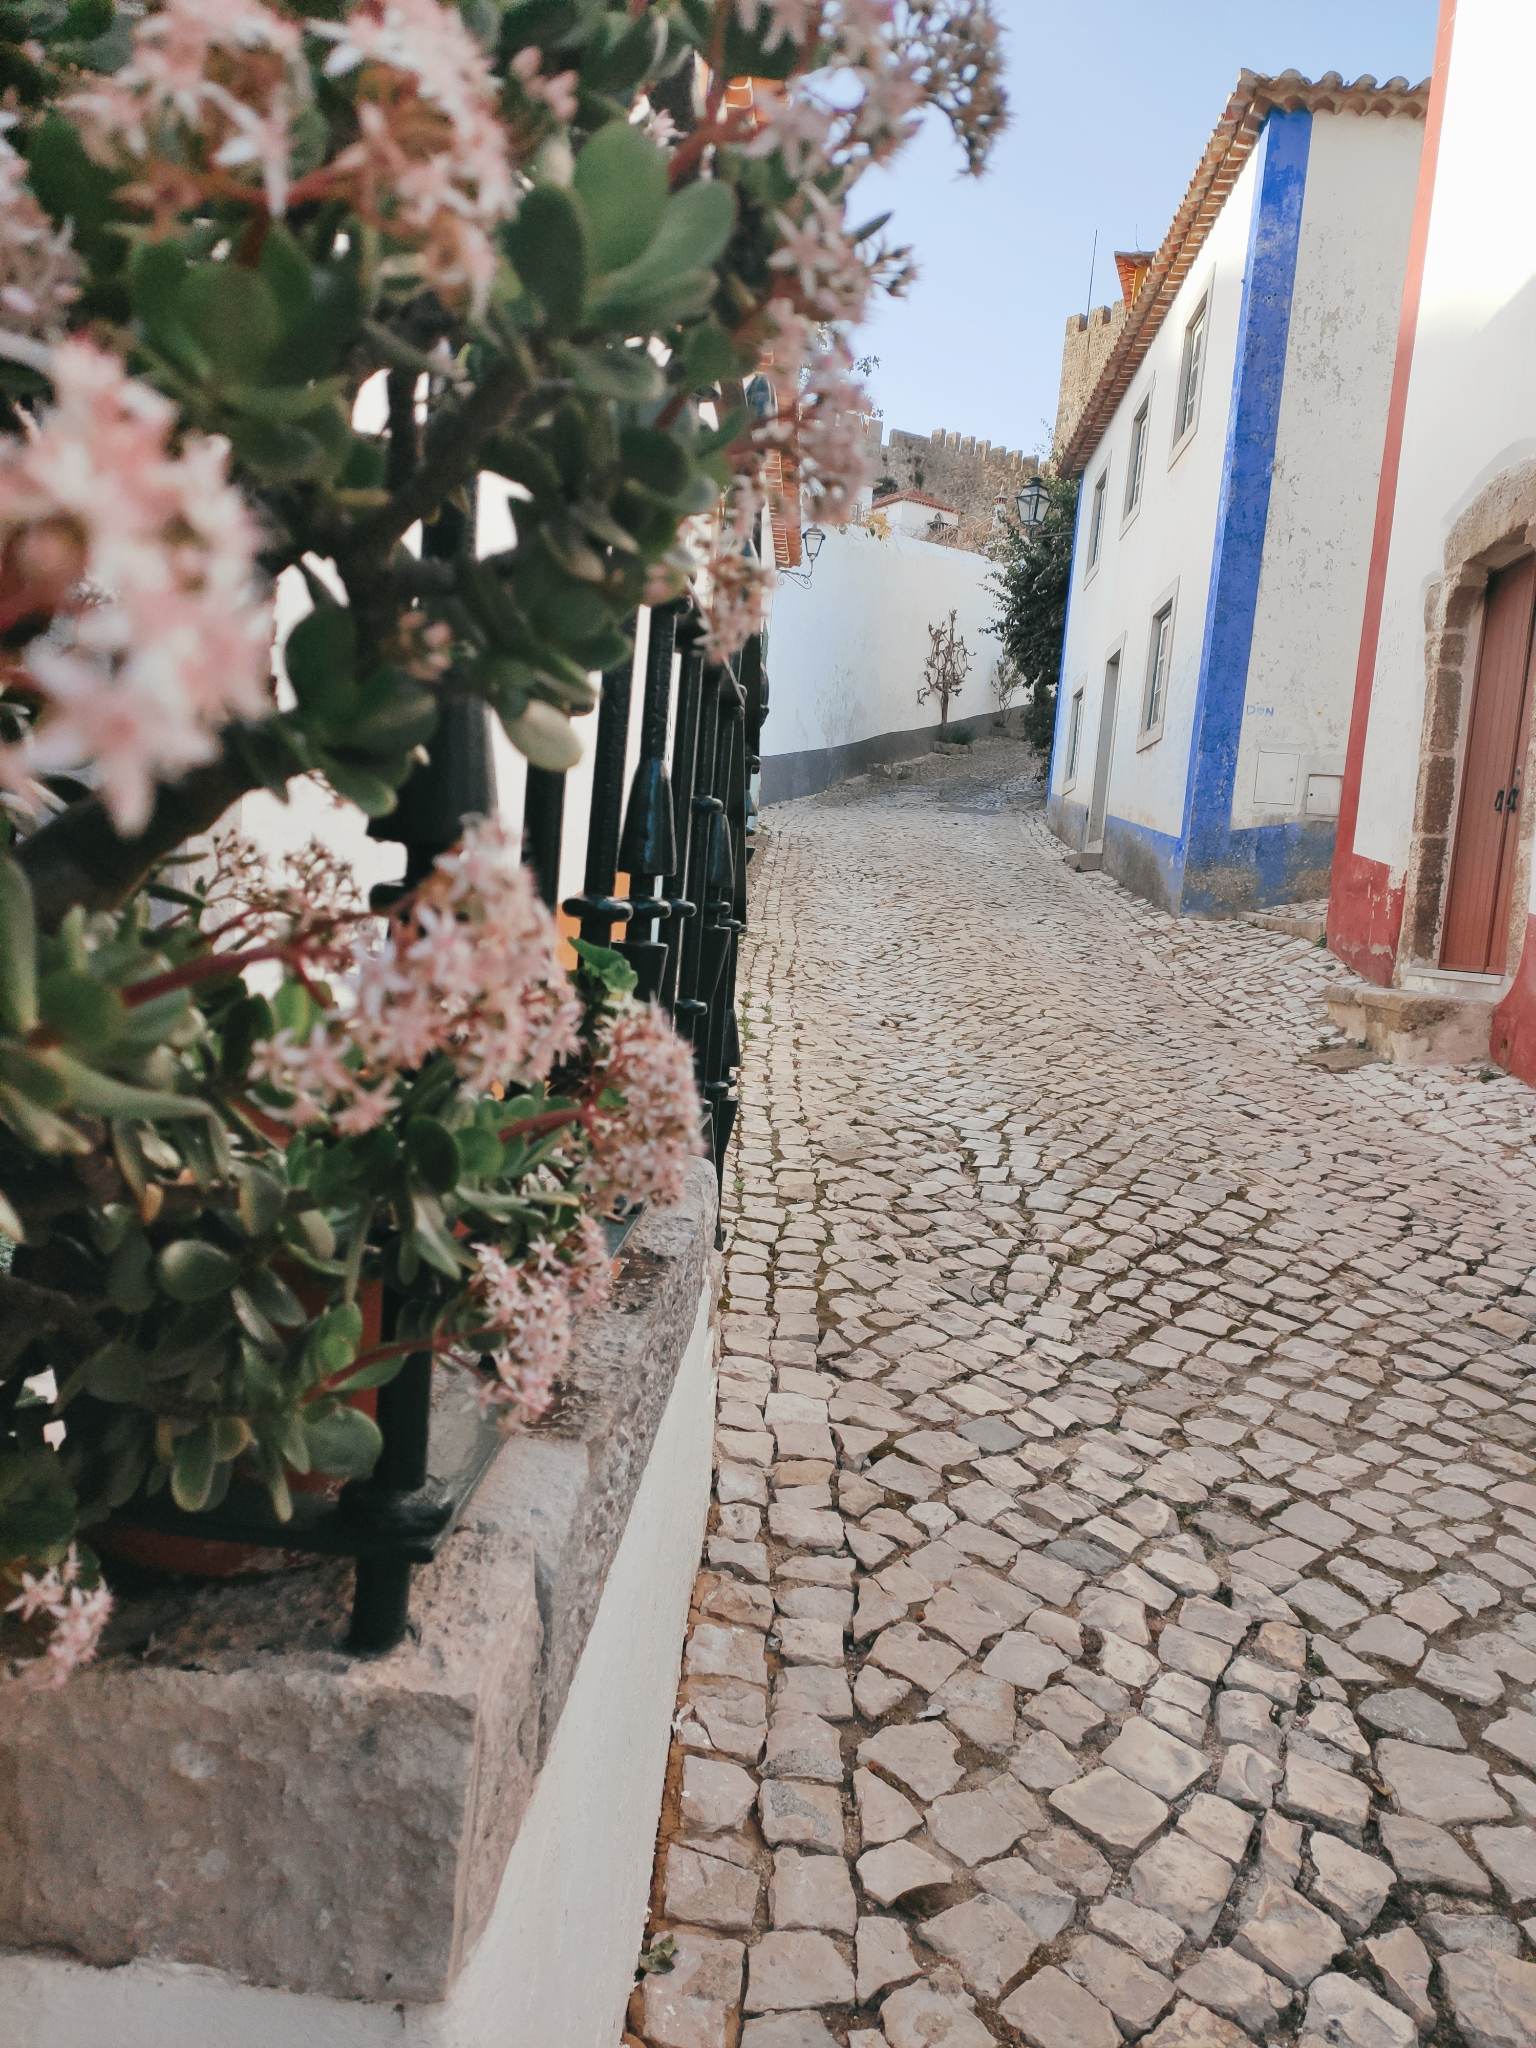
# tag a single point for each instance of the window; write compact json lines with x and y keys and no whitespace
{"x":1159,"y":651}
{"x":1096,"y":518}
{"x":1187,"y":411}
{"x":1074,"y":737}
{"x":1138,"y":463}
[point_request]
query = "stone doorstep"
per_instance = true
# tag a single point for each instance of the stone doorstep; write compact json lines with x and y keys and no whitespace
{"x":1413,"y":1028}
{"x":245,"y":1797}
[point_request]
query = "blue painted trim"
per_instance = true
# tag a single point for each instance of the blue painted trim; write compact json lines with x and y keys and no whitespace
{"x":1147,"y":861}
{"x":1274,"y":234}
{"x":1066,"y":641}
{"x":1271,"y":863}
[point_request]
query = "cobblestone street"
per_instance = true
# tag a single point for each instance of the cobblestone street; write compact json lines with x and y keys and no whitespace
{"x":1119,"y":1612}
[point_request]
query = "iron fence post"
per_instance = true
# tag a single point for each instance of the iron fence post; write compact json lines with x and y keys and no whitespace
{"x":648,"y":843}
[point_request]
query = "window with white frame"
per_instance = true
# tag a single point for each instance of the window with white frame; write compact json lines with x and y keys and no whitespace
{"x":1159,"y":653}
{"x":1138,"y":462}
{"x":1074,"y":736}
{"x":1191,"y":369}
{"x":1096,"y":518}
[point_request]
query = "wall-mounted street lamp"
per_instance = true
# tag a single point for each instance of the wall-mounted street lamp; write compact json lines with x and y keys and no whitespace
{"x":1031,"y":502}
{"x":811,"y":540}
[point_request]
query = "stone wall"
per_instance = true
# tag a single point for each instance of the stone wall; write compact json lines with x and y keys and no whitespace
{"x":1088,"y":341}
{"x":969,"y":474}
{"x":228,"y":1831}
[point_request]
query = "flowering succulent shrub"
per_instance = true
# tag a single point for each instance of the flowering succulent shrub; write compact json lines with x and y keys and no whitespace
{"x":208,"y":1181}
{"x":555,"y":237}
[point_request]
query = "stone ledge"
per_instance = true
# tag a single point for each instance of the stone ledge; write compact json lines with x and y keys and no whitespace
{"x":1410,"y":1027}
{"x":225,"y":1788}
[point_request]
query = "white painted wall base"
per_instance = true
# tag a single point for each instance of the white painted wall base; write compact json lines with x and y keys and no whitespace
{"x":556,"y":1962}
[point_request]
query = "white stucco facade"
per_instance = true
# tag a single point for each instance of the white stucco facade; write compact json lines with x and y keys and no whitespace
{"x":1471,"y":398}
{"x":845,"y":654}
{"x":1254,"y":525}
{"x":1164,"y":547}
{"x":1457,"y":508}
{"x":1356,"y":217}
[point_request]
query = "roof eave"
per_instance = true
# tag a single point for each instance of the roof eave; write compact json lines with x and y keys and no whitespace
{"x":1253,"y":99}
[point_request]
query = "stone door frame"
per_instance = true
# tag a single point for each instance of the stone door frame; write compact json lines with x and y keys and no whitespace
{"x":1496,"y":529}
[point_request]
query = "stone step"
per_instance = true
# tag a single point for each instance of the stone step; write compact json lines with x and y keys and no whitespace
{"x":1412,"y":1028}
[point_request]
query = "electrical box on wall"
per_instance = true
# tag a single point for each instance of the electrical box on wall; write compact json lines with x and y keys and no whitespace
{"x":1323,"y":793}
{"x":1277,"y":777}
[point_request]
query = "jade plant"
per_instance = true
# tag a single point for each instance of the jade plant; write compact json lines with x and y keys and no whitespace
{"x":282,"y":291}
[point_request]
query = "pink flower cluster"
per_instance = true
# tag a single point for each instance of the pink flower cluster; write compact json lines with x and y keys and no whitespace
{"x":212,"y":96}
{"x":640,"y":1151}
{"x":528,"y":1312}
{"x":878,"y":64}
{"x":139,"y":557}
{"x":470,"y":967}
{"x":310,"y":898}
{"x":733,"y":582}
{"x":208,"y":85}
{"x":39,"y":270}
{"x":432,"y":163}
{"x":76,"y":1616}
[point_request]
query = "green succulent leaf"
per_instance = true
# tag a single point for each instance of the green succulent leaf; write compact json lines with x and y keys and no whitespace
{"x":621,"y":181}
{"x":609,"y":969}
{"x":18,"y":950}
{"x":232,"y":316}
{"x":341,"y":1440}
{"x":130,"y":1281}
{"x":192,"y":1464}
{"x":103,"y":1095}
{"x":191,"y":1269}
{"x":259,"y":1200}
{"x":320,"y":655}
{"x":37,"y":1504}
{"x":548,"y":244}
{"x":629,"y":375}
{"x":433,"y":1153}
{"x":81,"y":1009}
{"x":333,"y":1339}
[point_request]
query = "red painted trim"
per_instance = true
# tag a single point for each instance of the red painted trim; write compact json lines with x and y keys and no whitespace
{"x":1512,"y":1033}
{"x":1365,"y":910}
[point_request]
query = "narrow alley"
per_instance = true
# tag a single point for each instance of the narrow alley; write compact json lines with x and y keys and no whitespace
{"x":1119,"y":1611}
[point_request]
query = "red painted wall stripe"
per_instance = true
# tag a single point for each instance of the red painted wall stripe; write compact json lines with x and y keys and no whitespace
{"x":1364,"y":912}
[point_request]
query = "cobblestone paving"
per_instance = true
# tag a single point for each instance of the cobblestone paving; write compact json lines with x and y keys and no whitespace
{"x":1119,"y":1612}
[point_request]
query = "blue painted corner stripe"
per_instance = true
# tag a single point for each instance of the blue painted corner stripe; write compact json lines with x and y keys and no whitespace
{"x":1243,"y":512}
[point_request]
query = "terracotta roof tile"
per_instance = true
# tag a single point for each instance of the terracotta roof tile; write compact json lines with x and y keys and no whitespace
{"x":914,"y":498}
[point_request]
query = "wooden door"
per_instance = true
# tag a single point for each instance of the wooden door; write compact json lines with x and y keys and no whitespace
{"x":1475,"y":927}
{"x":1108,"y":706}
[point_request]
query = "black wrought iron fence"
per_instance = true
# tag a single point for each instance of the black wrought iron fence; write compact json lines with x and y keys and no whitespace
{"x":663,"y":879}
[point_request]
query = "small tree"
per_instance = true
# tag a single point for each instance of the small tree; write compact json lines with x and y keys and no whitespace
{"x":1006,"y":684}
{"x":946,"y":666}
{"x":1034,"y":569}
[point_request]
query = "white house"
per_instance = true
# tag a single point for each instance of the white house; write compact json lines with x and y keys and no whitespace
{"x":1434,"y":883}
{"x":1228,"y":455}
{"x":918,"y":513}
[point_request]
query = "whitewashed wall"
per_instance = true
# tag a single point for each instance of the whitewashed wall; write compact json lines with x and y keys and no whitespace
{"x":1356,"y":216}
{"x":1169,"y":538}
{"x":1471,"y":410}
{"x":845,"y":653}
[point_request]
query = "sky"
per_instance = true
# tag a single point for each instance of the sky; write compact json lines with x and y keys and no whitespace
{"x":1113,"y":102}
